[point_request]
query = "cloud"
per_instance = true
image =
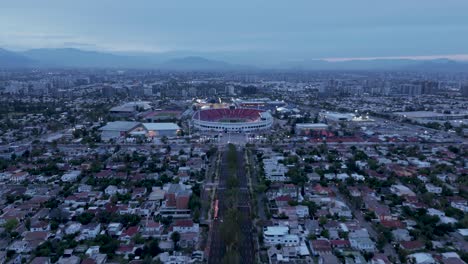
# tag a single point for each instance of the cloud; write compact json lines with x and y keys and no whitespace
{"x":457,"y":57}
{"x":72,"y":44}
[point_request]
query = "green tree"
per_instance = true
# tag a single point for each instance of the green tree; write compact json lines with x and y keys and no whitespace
{"x":10,"y":225}
{"x":175,"y":237}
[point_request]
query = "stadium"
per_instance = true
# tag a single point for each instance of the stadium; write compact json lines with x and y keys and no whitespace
{"x":232,"y":120}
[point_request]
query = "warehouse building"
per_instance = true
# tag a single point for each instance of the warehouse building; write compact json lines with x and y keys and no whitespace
{"x":161,"y":129}
{"x":126,"y":129}
{"x":308,"y":128}
{"x":119,"y":129}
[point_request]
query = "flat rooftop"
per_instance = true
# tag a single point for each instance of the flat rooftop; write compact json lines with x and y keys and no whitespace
{"x":311,"y":125}
{"x":161,"y":126}
{"x":120,"y":126}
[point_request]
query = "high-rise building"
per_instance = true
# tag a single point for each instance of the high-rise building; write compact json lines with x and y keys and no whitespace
{"x":429,"y":87}
{"x":464,"y":90}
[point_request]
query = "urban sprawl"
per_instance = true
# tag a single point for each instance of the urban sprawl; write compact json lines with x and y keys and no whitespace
{"x":108,"y":166}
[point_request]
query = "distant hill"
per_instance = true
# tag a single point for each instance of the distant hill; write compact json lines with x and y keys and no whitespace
{"x":184,"y":61}
{"x":199,"y":63}
{"x":9,"y":59}
{"x":69,"y":57}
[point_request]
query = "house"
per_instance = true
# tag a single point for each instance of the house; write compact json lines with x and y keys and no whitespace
{"x":380,"y":258}
{"x":129,"y":233}
{"x":274,"y":170}
{"x":401,"y":235}
{"x":19,"y":176}
{"x":342,"y":176}
{"x":40,"y":226}
{"x":114,"y":229}
{"x":328,"y":258}
{"x":41,"y":260}
{"x":320,"y":247}
{"x":151,"y":228}
{"x":359,"y":239}
{"x":340,"y":243}
{"x":412,"y":245}
{"x":354,"y":191}
{"x":421,"y":258}
{"x":69,"y":260}
{"x":282,"y":255}
{"x":104,"y":174}
{"x":138,"y":193}
{"x":113,"y":190}
{"x":358,"y":177}
{"x":125,"y":250}
{"x":90,"y":231}
{"x":401,"y":190}
{"x":20,"y":246}
{"x":273,"y":235}
{"x":460,"y":204}
{"x":85,"y":188}
{"x":382,"y":211}
{"x":392,"y":224}
{"x":175,"y":258}
{"x":72,"y":228}
{"x":451,"y":258}
{"x":36,"y":236}
{"x":185,"y":226}
{"x":320,"y":190}
{"x":433,"y":189}
{"x":71,"y":176}
{"x":157,"y":194}
{"x":339,"y":208}
{"x":312,"y":226}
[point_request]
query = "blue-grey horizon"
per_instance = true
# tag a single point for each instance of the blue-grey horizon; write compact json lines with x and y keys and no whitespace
{"x":282,"y":30}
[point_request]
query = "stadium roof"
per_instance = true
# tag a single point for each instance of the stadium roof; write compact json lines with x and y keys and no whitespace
{"x":120,"y":126}
{"x":161,"y":126}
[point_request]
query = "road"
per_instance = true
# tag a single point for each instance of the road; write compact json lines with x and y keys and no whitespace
{"x":217,"y":247}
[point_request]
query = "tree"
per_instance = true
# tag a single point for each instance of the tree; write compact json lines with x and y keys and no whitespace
{"x":175,"y":237}
{"x":152,"y":248}
{"x":10,"y":225}
{"x":85,"y":218}
{"x":27,"y":223}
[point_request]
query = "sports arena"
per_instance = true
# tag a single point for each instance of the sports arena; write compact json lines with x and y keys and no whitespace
{"x":232,"y":120}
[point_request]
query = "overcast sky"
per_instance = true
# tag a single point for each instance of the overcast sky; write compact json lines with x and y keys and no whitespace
{"x":293,"y":29}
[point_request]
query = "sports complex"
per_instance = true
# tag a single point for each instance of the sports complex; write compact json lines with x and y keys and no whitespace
{"x":232,"y":120}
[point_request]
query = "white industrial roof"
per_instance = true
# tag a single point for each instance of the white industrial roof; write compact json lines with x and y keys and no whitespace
{"x":276,"y":230}
{"x":161,"y":126}
{"x":312,"y":125}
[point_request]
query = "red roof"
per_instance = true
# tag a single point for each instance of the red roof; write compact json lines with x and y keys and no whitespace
{"x":321,"y":245}
{"x":125,"y":248}
{"x":340,"y":243}
{"x":131,"y":231}
{"x":392,"y":223}
{"x":152,"y":224}
{"x":103,"y":174}
{"x":283,"y":198}
{"x":184,"y":223}
{"x":412,"y":245}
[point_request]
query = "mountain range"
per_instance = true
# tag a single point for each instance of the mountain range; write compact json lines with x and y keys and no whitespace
{"x":190,"y":61}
